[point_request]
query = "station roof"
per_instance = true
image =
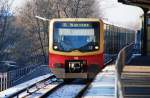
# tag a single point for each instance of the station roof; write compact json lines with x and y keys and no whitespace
{"x":141,"y":3}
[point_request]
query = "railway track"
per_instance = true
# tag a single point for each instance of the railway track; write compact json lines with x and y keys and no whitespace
{"x":73,"y":89}
{"x":43,"y":91}
{"x":26,"y":89}
{"x":53,"y":88}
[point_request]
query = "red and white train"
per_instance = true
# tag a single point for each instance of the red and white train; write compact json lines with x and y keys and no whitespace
{"x":77,"y":46}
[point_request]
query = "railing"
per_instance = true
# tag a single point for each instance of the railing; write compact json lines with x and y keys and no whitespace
{"x":3,"y":81}
{"x":16,"y":91}
{"x":123,"y":58}
{"x":7,"y":78}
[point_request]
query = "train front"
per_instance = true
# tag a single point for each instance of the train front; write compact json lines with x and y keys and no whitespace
{"x":76,"y":47}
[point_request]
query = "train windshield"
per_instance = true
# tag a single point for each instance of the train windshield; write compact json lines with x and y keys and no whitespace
{"x":72,"y":36}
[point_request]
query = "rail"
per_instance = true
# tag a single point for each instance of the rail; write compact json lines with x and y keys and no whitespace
{"x":7,"y":78}
{"x":83,"y":90}
{"x":52,"y":90}
{"x":17,"y":90}
{"x":123,"y":58}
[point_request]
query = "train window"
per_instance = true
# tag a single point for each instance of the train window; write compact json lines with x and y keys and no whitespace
{"x":81,"y":36}
{"x":106,"y":36}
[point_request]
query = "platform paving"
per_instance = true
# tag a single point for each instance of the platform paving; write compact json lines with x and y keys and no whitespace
{"x":104,"y":84}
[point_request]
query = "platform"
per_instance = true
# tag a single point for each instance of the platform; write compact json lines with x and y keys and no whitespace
{"x":104,"y":84}
{"x":136,"y":77}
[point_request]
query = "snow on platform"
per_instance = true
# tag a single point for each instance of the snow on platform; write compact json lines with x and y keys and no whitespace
{"x":104,"y":84}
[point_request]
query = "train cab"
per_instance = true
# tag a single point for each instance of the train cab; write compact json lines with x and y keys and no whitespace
{"x":76,"y":47}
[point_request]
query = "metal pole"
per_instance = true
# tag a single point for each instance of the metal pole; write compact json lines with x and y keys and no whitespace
{"x":43,"y":52}
{"x":144,"y":33}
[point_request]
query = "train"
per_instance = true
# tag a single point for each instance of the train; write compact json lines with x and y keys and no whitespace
{"x":78,"y":46}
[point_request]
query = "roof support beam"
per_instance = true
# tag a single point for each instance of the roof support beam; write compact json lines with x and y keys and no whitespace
{"x":140,"y":3}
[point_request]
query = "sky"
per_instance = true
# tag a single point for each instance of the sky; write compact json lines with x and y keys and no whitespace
{"x":112,"y":12}
{"x":17,"y":3}
{"x":119,"y":14}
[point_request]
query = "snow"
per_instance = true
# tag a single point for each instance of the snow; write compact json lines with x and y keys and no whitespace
{"x":109,"y":69}
{"x":19,"y":87}
{"x":42,"y":91}
{"x":67,"y":91}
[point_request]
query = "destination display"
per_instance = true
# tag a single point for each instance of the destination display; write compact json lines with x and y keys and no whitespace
{"x":76,"y":25}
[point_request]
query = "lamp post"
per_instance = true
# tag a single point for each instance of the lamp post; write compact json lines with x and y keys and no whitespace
{"x":39,"y":31}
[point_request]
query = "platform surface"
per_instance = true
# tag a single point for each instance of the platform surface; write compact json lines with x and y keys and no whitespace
{"x":104,"y":84}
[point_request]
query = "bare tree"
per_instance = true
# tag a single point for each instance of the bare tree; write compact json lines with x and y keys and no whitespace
{"x":24,"y":38}
{"x":5,"y":21}
{"x":34,"y":45}
{"x":74,"y":8}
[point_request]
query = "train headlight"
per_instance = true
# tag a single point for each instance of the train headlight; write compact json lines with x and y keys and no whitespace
{"x":96,"y":47}
{"x":55,"y":47}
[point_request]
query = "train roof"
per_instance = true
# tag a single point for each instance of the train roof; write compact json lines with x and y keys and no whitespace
{"x":90,"y":19}
{"x":75,"y":19}
{"x":117,"y":25}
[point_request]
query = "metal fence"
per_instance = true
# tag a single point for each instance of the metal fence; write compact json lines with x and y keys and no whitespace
{"x":3,"y":81}
{"x":123,"y":58}
{"x":7,"y":78}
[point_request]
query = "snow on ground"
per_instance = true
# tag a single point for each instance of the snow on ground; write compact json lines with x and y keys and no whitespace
{"x":19,"y":87}
{"x":42,"y":91}
{"x":67,"y":91}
